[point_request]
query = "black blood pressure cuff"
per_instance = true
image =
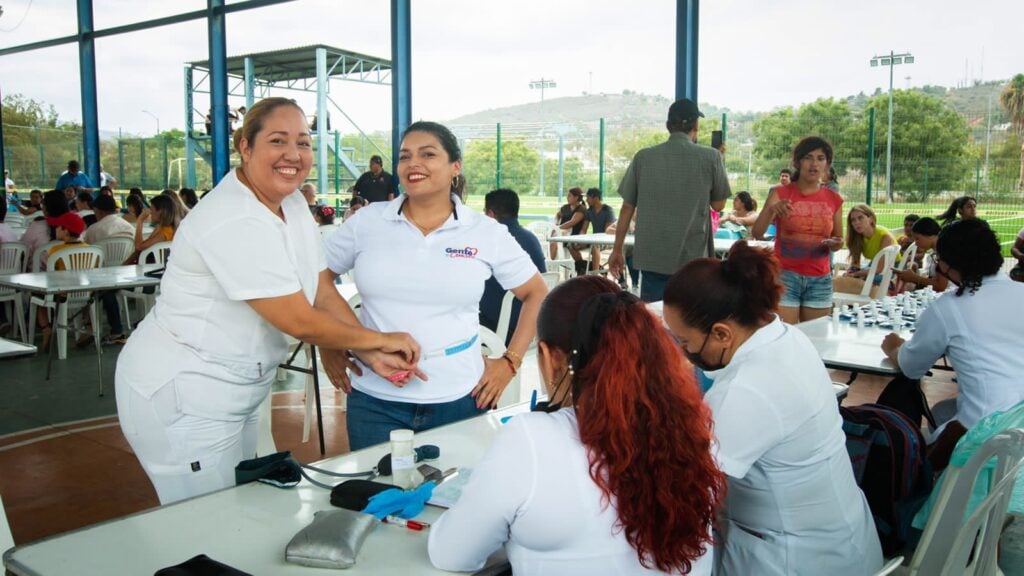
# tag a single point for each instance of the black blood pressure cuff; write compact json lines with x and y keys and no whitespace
{"x":275,"y":469}
{"x":355,"y":494}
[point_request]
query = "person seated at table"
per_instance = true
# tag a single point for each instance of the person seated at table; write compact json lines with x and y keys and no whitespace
{"x":925,"y":234}
{"x":614,"y":475}
{"x":69,"y":228}
{"x":188,"y":197}
{"x":503,"y":205}
{"x":907,"y":238}
{"x":809,"y":226}
{"x":1017,"y":251}
{"x":570,"y":219}
{"x":962,"y":208}
{"x":83,"y":207}
{"x":34,"y":205}
{"x":134,"y":206}
{"x":354,"y":204}
{"x":792,"y":504}
{"x":39,"y":231}
{"x":743,"y":215}
{"x":165,"y":217}
{"x":600,"y":216}
{"x":975,"y":327}
{"x":324,"y":217}
{"x":864,"y":237}
{"x":179,"y":205}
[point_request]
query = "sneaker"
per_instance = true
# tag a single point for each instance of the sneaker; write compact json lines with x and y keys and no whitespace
{"x":83,"y":341}
{"x":114,"y":339}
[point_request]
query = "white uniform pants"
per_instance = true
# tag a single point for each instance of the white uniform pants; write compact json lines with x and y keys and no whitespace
{"x":184,"y":455}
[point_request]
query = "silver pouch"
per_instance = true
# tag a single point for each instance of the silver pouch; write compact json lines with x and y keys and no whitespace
{"x":332,"y":539}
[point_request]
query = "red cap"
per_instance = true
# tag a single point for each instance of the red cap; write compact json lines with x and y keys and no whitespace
{"x":70,"y":221}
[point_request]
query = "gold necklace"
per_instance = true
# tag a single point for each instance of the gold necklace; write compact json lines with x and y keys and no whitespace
{"x":425,"y":229}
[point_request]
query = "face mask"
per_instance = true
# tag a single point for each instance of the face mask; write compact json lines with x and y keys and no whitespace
{"x":550,"y":405}
{"x":697,"y":360}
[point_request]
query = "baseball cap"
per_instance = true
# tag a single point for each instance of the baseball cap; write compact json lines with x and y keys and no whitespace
{"x":682,"y":110}
{"x":70,"y":221}
{"x":105,"y":203}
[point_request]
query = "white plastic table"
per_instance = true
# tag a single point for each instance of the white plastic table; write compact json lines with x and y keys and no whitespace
{"x":13,"y":348}
{"x":248,"y":526}
{"x":94,"y":280}
{"x":845,"y":346}
{"x":722,"y":245}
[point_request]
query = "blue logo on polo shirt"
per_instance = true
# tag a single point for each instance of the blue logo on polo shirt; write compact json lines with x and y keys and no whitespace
{"x":467,"y":252}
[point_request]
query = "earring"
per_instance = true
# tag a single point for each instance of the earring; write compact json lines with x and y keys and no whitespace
{"x":455,"y":182}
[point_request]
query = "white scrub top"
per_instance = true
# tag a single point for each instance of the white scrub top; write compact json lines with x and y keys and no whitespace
{"x":793,"y":506}
{"x":532,"y":492}
{"x":978,"y":333}
{"x":229,"y":249}
{"x":429,"y":286}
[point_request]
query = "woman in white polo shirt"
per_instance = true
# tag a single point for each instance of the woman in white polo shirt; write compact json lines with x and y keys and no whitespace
{"x":246,"y":266}
{"x":793,"y":506}
{"x":420,"y":263}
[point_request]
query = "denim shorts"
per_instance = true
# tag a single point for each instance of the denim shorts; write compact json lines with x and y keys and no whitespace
{"x":370,"y":420}
{"x":806,"y":291}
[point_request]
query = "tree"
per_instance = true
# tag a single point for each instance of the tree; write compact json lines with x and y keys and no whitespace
{"x":1012,"y":99}
{"x":520,"y":166}
{"x":930,"y":144}
{"x":574,"y":174}
{"x":777,"y":132}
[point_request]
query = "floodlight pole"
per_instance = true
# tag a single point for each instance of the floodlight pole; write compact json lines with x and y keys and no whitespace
{"x":905,"y":58}
{"x":542,"y":84}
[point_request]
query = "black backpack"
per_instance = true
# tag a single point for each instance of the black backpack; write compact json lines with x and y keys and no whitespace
{"x":887,"y":451}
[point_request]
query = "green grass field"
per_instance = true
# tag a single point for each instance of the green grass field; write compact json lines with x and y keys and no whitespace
{"x":1006,"y":220}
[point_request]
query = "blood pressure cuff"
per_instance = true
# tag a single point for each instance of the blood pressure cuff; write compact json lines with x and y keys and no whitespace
{"x":355,"y":494}
{"x":278,"y":469}
{"x":332,"y":540}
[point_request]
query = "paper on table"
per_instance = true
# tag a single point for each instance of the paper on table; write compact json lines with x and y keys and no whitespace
{"x":447,"y":494}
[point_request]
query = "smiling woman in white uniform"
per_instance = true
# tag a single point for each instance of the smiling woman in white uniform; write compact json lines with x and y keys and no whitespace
{"x":792,"y":506}
{"x":420,"y":263}
{"x":246,"y":267}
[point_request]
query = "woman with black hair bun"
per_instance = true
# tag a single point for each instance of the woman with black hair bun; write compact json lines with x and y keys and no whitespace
{"x":793,"y":505}
{"x":962,"y":208}
{"x":977,"y":328}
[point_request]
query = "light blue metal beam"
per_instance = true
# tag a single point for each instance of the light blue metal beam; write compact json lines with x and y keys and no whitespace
{"x":250,"y":83}
{"x":145,"y":25}
{"x":401,"y":76}
{"x":321,"y":120}
{"x":218,"y":89}
{"x":687,"y":35}
{"x":190,"y":160}
{"x":87,"y":72}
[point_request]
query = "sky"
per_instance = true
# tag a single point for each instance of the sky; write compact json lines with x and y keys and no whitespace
{"x":472,"y":55}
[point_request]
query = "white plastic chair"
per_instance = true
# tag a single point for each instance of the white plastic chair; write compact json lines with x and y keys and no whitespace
{"x":75,"y":258}
{"x":885,"y":258}
{"x":15,"y":220}
{"x":905,"y":263}
{"x":541,"y":227}
{"x":115,"y":250}
{"x":552,"y":279}
{"x":952,"y":545}
{"x":505,"y":316}
{"x":493,"y":346}
{"x":12,"y":261}
{"x":40,"y":254}
{"x":6,"y":539}
{"x":566,"y":267}
{"x":157,"y":253}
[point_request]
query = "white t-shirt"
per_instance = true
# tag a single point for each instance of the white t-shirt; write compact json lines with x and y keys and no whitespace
{"x":429,"y":286}
{"x":111,"y":226}
{"x":793,"y":502}
{"x":978,"y":333}
{"x":532,"y":493}
{"x":230,"y":249}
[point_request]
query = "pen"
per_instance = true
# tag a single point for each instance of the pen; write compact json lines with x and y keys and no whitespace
{"x":410,"y":524}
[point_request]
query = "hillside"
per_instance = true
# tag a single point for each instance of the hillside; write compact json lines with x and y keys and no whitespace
{"x":631,"y":108}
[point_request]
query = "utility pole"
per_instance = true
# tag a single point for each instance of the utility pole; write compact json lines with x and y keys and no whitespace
{"x":891,"y":60}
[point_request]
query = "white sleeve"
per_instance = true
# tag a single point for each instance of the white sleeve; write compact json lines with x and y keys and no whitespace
{"x":479,"y":523}
{"x":745,"y":428}
{"x":511,"y":265}
{"x":248,"y":258}
{"x":929,"y":343}
{"x":340,"y":247}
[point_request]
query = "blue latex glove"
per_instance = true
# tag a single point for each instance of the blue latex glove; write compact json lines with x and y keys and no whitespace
{"x":402,"y":503}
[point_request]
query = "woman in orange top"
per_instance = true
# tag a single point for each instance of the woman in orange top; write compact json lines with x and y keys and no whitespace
{"x":165,"y":217}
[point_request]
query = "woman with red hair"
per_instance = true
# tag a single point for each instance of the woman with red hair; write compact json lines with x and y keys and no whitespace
{"x":793,"y":505}
{"x":615,"y":474}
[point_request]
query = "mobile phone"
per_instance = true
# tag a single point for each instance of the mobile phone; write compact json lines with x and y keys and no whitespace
{"x":716,"y":139}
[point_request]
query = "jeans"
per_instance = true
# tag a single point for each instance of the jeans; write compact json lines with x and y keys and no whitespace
{"x":371,"y":420}
{"x":109,"y":301}
{"x":652,"y":285}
